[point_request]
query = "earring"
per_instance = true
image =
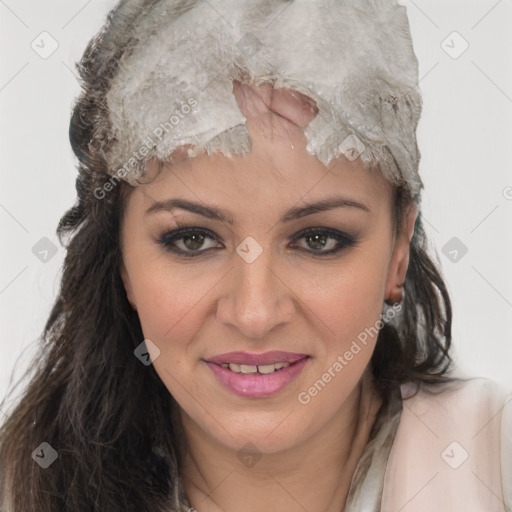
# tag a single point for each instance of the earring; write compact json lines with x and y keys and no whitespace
{"x":398,"y":298}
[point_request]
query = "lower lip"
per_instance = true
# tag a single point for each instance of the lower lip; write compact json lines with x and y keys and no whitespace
{"x":257,"y":384}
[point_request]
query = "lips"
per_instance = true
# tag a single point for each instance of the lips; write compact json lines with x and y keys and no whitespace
{"x":250,"y":384}
{"x":251,"y":359}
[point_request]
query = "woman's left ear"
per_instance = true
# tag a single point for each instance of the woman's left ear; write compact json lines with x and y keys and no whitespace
{"x":400,"y":258}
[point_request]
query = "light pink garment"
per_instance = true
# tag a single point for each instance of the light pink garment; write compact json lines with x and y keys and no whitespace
{"x":452,"y":452}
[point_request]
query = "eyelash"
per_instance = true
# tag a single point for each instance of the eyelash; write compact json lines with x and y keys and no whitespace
{"x":167,"y":239}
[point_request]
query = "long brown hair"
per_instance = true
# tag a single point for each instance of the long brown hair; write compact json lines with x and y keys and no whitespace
{"x":110,"y":418}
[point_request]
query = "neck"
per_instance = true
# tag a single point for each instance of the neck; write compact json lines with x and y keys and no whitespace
{"x":313,"y":476}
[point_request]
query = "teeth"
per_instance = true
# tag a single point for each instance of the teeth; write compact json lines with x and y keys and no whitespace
{"x":246,"y":368}
{"x":266,"y":368}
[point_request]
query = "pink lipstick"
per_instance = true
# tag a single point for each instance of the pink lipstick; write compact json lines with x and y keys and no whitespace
{"x":256,"y":375}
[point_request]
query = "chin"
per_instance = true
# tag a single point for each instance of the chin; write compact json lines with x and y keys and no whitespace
{"x":258,"y":431}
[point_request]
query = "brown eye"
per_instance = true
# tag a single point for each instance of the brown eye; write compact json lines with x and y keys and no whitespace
{"x":187,"y":241}
{"x":191,"y":241}
{"x":317,"y":240}
{"x":194,"y":241}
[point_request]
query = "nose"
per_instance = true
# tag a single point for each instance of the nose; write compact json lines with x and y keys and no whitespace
{"x":256,"y":298}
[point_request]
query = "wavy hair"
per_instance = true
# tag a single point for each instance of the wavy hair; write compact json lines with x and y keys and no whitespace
{"x":111,"y":420}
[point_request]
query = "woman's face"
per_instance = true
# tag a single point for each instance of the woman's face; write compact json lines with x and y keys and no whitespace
{"x":274,"y":274}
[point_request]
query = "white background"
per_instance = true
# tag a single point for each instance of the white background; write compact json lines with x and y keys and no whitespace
{"x":464,"y":136}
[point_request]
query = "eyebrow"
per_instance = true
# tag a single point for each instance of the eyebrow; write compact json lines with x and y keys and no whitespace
{"x":211,"y":212}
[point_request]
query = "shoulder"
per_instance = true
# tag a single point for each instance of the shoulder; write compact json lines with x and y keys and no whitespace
{"x":452,"y":450}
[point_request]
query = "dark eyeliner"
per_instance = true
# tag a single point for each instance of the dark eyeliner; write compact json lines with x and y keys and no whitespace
{"x":344,"y":240}
{"x":168,"y":238}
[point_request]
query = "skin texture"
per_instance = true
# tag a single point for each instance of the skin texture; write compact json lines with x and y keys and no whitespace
{"x":289,"y":298}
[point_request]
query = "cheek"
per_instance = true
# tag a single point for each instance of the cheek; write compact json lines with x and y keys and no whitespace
{"x":170,"y":301}
{"x":348,"y":298}
{"x":344,"y":298}
{"x":346,"y":305}
{"x":171,"y":312}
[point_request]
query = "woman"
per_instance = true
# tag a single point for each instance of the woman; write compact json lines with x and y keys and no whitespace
{"x":248,"y":317}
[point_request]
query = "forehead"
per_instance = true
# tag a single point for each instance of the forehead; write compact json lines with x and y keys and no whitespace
{"x":269,"y":180}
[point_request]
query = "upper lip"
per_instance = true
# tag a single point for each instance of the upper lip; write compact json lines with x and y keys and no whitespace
{"x":249,"y":358}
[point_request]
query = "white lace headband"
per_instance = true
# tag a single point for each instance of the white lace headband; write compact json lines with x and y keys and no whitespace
{"x":354,"y":58}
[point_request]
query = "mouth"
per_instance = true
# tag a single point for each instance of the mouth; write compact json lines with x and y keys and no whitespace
{"x":263,"y":369}
{"x":250,"y":359}
{"x":257,"y":375}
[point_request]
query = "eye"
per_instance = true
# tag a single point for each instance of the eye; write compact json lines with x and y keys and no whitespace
{"x":317,"y":239}
{"x":191,"y":239}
